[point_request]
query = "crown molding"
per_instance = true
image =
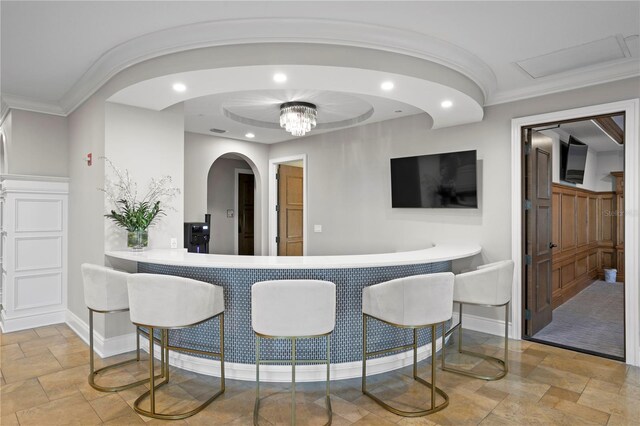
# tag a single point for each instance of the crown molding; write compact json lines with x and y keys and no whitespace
{"x":263,"y":30}
{"x":627,"y":68}
{"x":29,"y":104}
{"x":305,"y":30}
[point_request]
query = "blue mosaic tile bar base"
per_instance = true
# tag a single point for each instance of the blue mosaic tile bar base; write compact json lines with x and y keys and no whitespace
{"x":346,"y":340}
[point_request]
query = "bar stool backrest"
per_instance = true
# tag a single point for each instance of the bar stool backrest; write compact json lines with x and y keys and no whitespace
{"x":169,"y":301}
{"x":488,"y":285}
{"x":293,"y":308}
{"x":105,"y":289}
{"x":411,"y":301}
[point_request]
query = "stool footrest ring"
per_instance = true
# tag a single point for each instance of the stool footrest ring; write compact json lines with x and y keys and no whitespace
{"x":414,"y":346}
{"x":177,"y":416}
{"x":413,"y":413}
{"x":502,"y":364}
{"x":293,"y":361}
{"x":100,"y":388}
{"x":164,"y":351}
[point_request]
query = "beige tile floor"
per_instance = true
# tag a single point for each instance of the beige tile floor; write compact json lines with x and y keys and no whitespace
{"x":44,"y":382}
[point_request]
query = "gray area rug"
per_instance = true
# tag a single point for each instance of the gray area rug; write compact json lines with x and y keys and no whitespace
{"x":592,"y":320}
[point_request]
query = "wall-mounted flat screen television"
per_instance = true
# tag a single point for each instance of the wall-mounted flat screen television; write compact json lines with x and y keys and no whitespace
{"x":435,"y":181}
{"x":573,"y":160}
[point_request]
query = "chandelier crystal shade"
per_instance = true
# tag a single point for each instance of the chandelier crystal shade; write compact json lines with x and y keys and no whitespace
{"x":298,"y":118}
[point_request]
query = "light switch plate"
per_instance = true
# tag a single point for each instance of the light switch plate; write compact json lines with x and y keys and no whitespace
{"x":317,"y":228}
{"x":230,"y":213}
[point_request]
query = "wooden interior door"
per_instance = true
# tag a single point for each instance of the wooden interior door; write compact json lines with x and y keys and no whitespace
{"x":246,"y":185}
{"x":538,"y":225}
{"x":290,"y":211}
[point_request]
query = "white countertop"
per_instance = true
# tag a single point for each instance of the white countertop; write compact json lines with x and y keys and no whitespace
{"x":179,"y":257}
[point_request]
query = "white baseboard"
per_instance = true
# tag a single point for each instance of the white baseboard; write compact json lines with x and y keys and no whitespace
{"x":282,"y":373}
{"x":483,"y":325}
{"x":9,"y":325}
{"x":274,"y":373}
{"x":104,"y":347}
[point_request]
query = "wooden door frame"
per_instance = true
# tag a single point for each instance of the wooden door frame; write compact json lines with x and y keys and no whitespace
{"x":236,"y":176}
{"x":273,"y":200}
{"x":631,"y":108}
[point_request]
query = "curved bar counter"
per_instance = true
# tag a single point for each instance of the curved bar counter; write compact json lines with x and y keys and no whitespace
{"x":350,"y":273}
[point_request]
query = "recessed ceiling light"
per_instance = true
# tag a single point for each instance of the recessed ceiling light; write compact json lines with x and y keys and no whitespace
{"x":387,"y":85}
{"x":250,"y":135}
{"x":179,"y":87}
{"x":279,"y":77}
{"x":446,"y":104}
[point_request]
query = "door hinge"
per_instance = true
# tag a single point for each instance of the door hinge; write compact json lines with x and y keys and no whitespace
{"x":527,"y":205}
{"x":277,"y":240}
{"x":527,"y":259}
{"x":277,"y":176}
{"x":277,"y":207}
{"x":527,"y":148}
{"x":527,"y":314}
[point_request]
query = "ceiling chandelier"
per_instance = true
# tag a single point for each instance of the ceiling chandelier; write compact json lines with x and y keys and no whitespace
{"x":298,"y":118}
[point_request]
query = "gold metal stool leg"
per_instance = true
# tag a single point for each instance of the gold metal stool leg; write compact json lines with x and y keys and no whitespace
{"x":502,"y":364}
{"x":164,"y":348}
{"x":93,"y":373}
{"x":414,"y":346}
{"x":294,"y":361}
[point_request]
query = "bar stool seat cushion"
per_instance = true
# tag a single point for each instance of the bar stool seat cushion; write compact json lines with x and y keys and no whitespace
{"x":105,"y":289}
{"x":293,"y":308}
{"x":488,"y":285}
{"x":169,"y":301}
{"x":410,"y":301}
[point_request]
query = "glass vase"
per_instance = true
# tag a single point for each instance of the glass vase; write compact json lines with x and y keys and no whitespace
{"x":137,"y":240}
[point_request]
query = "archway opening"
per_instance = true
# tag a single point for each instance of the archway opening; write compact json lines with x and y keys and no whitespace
{"x":231,"y":202}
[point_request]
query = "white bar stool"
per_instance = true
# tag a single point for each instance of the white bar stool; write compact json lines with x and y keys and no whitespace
{"x":489,"y":285}
{"x":167,"y":302}
{"x":413,"y":302}
{"x":292,"y":309}
{"x":105,"y":292}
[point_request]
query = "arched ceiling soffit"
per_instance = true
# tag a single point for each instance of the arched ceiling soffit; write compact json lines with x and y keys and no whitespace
{"x":250,"y":67}
{"x":282,"y":30}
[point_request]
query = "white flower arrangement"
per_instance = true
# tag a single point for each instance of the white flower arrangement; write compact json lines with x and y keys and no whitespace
{"x":133,"y":213}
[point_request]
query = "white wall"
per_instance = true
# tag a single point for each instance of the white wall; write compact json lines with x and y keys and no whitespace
{"x":149,"y":144}
{"x":608,"y":162}
{"x":200,"y":151}
{"x":86,"y":203}
{"x":220,"y":198}
{"x":39,"y":144}
{"x":349,"y":188}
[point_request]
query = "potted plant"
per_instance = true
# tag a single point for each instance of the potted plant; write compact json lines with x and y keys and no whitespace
{"x":135,"y":214}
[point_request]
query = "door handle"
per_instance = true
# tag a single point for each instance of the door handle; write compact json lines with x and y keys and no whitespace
{"x":551,"y":245}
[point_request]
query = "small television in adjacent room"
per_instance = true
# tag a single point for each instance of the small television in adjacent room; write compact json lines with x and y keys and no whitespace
{"x":435,"y":181}
{"x":573,"y":159}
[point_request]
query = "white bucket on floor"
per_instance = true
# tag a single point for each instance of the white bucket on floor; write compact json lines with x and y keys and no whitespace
{"x":610,"y":275}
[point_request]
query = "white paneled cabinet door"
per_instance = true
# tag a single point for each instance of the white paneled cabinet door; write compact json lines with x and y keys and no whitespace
{"x":34,"y":251}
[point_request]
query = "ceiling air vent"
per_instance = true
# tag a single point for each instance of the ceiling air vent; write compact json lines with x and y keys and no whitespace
{"x":214,"y":130}
{"x":575,"y":57}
